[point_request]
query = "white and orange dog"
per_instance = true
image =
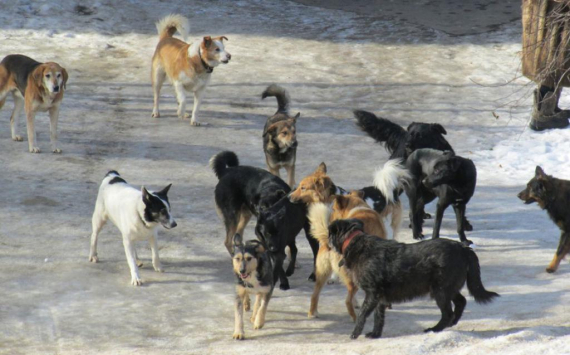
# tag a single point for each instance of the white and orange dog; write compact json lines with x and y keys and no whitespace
{"x":35,"y":87}
{"x":189,"y":66}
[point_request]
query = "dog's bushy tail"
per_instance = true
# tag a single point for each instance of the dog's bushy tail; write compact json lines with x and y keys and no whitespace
{"x":474,"y":284}
{"x":391,"y":178}
{"x":282,"y":96}
{"x":222,"y":161}
{"x":319,"y":215}
{"x":381,"y":129}
{"x":169,"y":24}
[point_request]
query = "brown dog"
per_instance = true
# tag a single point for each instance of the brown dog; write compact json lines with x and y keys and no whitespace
{"x":188,"y":66}
{"x":327,"y":262}
{"x":35,"y":87}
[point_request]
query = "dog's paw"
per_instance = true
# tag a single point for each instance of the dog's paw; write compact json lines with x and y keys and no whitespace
{"x":427,"y":215}
{"x":239,"y":336}
{"x":259,"y":325}
{"x":195,"y":123}
{"x":313,"y":315}
{"x":312,"y":277}
{"x":354,"y":336}
{"x":183,"y":116}
{"x":550,"y":270}
{"x":289,"y":272}
{"x":136,"y":282}
{"x":155,"y":114}
{"x":35,"y":150}
{"x":17,"y":138}
{"x":373,"y":335}
{"x":331,"y":281}
{"x":139,"y":263}
{"x":94,"y":259}
{"x":157,"y":268}
{"x":284,"y":287}
{"x":56,"y":150}
{"x":419,"y":237}
{"x":467,"y":226}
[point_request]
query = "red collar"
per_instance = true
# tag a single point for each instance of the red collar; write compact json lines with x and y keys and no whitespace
{"x":349,"y":239}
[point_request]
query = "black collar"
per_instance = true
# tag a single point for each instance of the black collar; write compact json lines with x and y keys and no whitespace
{"x":208,"y":68}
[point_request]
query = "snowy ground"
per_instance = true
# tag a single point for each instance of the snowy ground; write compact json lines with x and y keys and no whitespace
{"x":55,"y":302}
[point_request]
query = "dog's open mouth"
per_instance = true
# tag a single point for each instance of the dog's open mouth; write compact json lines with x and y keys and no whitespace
{"x":244,"y":276}
{"x":529,"y":201}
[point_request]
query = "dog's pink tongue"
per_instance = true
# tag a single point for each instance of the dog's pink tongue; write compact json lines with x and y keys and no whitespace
{"x":243,"y":276}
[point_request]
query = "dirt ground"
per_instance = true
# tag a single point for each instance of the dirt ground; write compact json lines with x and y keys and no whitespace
{"x":332,"y":61}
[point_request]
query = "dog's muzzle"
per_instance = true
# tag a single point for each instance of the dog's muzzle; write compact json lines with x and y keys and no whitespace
{"x":170,"y":225}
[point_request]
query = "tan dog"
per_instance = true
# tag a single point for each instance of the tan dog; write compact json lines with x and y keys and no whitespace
{"x":188,"y":66}
{"x":35,"y":87}
{"x":343,"y":207}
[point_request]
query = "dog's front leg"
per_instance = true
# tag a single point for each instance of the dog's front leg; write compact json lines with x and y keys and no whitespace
{"x":370,"y":302}
{"x":291,"y":266}
{"x":197,"y":103}
{"x":255,"y":307}
{"x":314,"y":247}
{"x":291,"y":174}
{"x":32,"y":144}
{"x":563,"y":249}
{"x":18,"y":106}
{"x":154,"y":250}
{"x":379,"y":314}
{"x":441,"y":206}
{"x":238,"y":326}
{"x":130,"y":253}
{"x":181,"y":97}
{"x":459,"y":210}
{"x":53,"y":117}
{"x":260,"y":317}
{"x":416,"y":215}
{"x":279,"y":273}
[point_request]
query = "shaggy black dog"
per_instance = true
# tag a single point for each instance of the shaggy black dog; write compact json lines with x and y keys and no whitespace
{"x":245,"y":191}
{"x":446,"y":176}
{"x":391,"y":272}
{"x":552,"y":195}
{"x":399,"y":142}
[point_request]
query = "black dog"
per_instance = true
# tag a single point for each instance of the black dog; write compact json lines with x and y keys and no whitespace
{"x":552,"y":195}
{"x":446,"y":176}
{"x":244,"y":191}
{"x":399,"y":142}
{"x":392,"y":272}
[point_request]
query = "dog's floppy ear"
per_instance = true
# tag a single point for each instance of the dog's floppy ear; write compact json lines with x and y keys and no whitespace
{"x":357,"y":193}
{"x":37,"y":75}
{"x":65,"y":77}
{"x":164,"y":191}
{"x":322,"y":168}
{"x":207,"y":41}
{"x":438,"y":128}
{"x":280,"y":194}
{"x":539,"y":173}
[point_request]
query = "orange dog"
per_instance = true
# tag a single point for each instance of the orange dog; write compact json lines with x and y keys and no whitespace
{"x":188,"y":66}
{"x":35,"y":87}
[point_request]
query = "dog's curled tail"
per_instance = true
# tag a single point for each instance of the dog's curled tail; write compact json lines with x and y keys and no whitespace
{"x":222,"y":161}
{"x":380,"y":129}
{"x":391,"y":178}
{"x":319,"y":215}
{"x":474,"y":284}
{"x":282,"y":96}
{"x":169,"y":24}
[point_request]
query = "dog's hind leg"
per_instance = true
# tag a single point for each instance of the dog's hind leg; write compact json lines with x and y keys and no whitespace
{"x":441,"y":206}
{"x":459,"y":302}
{"x":97,"y":222}
{"x":18,"y":106}
{"x":260,"y":316}
{"x":352,"y":289}
{"x":291,"y":266}
{"x":130,"y":253}
{"x":158,"y":75}
{"x":563,"y":249}
{"x":379,"y":314}
{"x":370,"y":303}
{"x":322,"y":272}
{"x":416,"y":215}
{"x":314,"y":244}
{"x":447,"y":315}
{"x":459,"y":210}
{"x":279,"y":273}
{"x":396,"y":221}
{"x":238,"y":308}
{"x":154,"y":250}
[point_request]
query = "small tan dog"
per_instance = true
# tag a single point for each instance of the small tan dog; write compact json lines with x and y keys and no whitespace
{"x":189,"y":66}
{"x":35,"y":87}
{"x":343,"y":207}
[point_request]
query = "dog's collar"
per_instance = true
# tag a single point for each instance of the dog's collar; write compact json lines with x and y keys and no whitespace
{"x":208,"y":68}
{"x":347,"y":241}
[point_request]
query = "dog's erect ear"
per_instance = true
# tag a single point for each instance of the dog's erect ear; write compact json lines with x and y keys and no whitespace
{"x":207,"y":41}
{"x":341,"y":263}
{"x":221,"y":38}
{"x":411,"y":125}
{"x":539,"y":173}
{"x":296,"y":116}
{"x":260,"y":249}
{"x":438,"y":128}
{"x":322,"y":168}
{"x":145,"y":194}
{"x":164,"y":191}
{"x":271,"y":130}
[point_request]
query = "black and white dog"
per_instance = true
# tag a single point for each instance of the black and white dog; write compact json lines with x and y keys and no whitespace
{"x":444,"y":175}
{"x":137,"y":214}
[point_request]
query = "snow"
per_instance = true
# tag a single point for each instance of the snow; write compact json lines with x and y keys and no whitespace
{"x":56,"y":302}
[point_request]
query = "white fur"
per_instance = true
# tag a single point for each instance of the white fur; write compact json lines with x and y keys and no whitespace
{"x":391,"y":177}
{"x":174,"y":20}
{"x":124,"y":206}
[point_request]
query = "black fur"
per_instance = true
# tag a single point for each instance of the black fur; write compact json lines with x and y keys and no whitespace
{"x":253,"y":190}
{"x":264,"y":263}
{"x":370,"y":193}
{"x":446,"y":176}
{"x":116,"y":180}
{"x":112,"y":172}
{"x":399,"y":142}
{"x":155,"y":208}
{"x":552,"y":195}
{"x":391,"y":272}
{"x":22,"y":67}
